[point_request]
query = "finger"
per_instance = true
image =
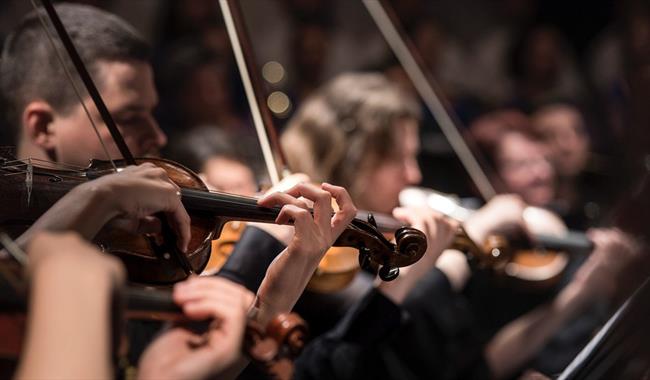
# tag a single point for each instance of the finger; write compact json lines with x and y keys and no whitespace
{"x":198,"y":287}
{"x":281,"y":199}
{"x":180,"y":222}
{"x":301,"y":219}
{"x":403,"y":214}
{"x":347,"y":209}
{"x":322,"y":202}
{"x":289,"y":182}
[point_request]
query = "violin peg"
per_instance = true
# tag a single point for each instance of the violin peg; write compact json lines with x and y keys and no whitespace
{"x":387,"y":273}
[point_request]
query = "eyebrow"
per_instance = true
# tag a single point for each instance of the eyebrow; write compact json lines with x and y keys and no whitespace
{"x":131,"y":108}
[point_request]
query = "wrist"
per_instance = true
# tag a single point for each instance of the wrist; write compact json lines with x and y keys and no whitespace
{"x":574,"y":298}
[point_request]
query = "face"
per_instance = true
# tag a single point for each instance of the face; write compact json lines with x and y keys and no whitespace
{"x":130,"y":96}
{"x":223,"y":174}
{"x":523,"y":166}
{"x":566,"y":138}
{"x":383,"y":182}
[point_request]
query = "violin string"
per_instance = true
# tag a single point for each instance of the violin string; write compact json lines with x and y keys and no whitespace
{"x":51,"y":164}
{"x":71,"y":80}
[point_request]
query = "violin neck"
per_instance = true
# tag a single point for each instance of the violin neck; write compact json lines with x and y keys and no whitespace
{"x":228,"y":206}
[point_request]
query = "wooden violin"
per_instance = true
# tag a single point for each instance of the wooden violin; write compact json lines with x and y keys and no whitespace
{"x":29,"y":190}
{"x":537,"y":262}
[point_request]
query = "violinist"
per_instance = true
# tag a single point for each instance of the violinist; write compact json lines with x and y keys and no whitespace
{"x":359,"y":130}
{"x":41,"y":104}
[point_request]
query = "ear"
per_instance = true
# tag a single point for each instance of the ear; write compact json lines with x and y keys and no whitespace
{"x":37,"y":124}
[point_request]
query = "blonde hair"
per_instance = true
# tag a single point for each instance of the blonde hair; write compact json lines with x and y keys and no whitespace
{"x":347,"y":127}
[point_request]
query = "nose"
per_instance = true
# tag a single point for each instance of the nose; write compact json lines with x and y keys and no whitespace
{"x":153,"y":139}
{"x":412,"y":172}
{"x":543,"y":170}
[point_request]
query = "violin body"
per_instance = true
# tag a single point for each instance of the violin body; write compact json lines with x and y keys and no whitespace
{"x":29,"y":191}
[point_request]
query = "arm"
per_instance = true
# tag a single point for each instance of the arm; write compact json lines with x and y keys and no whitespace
{"x":71,"y":294}
{"x":596,"y":279}
{"x":439,"y":231}
{"x":126,"y":199}
{"x":289,"y":274}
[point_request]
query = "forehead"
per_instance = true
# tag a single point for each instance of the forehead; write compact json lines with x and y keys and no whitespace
{"x":515,"y":145}
{"x":127,"y":84}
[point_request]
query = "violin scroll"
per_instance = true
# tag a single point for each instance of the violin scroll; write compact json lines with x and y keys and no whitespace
{"x":275,"y":348}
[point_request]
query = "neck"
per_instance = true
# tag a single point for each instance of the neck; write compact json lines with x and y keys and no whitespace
{"x":26,"y":149}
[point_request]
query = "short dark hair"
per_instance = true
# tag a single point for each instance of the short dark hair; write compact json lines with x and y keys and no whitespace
{"x":30,"y":69}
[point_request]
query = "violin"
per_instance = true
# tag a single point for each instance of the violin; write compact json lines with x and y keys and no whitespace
{"x":30,"y":190}
{"x":537,"y":263}
{"x":272,"y":348}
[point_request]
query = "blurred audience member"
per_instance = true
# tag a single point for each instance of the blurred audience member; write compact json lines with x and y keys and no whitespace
{"x":197,"y":88}
{"x":563,"y":129}
{"x":542,"y":67}
{"x":518,"y":155}
{"x":584,"y":179}
{"x":209,"y":152}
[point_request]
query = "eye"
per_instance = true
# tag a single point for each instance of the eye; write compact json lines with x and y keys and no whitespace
{"x":131,"y":120}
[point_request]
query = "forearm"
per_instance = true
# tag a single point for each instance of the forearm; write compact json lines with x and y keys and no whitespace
{"x":285,"y":281}
{"x":84,"y":210}
{"x":521,"y":339}
{"x":68,"y":333}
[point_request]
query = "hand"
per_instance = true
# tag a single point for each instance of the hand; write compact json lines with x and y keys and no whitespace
{"x":440,"y":232}
{"x":174,"y":355}
{"x":126,"y":199}
{"x":439,"y":229}
{"x":136,"y":193}
{"x":613,"y":254}
{"x":280,"y":232}
{"x":288,"y":275}
{"x":503,"y":214}
{"x":313,"y":234}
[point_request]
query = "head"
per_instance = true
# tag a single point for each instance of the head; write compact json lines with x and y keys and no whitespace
{"x":563,"y":129}
{"x":524,"y":168}
{"x":359,"y":131}
{"x":49,"y":121}
{"x":538,"y":55}
{"x":196,"y":83}
{"x":212,"y":153}
{"x":518,"y":155}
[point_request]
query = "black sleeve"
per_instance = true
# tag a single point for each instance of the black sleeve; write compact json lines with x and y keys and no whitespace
{"x":439,"y":340}
{"x":251,"y":257}
{"x":345,"y":351}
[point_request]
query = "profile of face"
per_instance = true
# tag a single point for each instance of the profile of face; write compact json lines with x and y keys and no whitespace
{"x":563,"y":129}
{"x":228,"y":175}
{"x":383,"y":182}
{"x":127,"y":88}
{"x":524,"y":168}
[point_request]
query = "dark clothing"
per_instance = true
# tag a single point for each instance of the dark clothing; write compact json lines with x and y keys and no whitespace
{"x":430,"y":336}
{"x":251,"y":257}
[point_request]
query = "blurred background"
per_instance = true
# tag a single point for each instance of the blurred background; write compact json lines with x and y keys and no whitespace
{"x":574,"y":71}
